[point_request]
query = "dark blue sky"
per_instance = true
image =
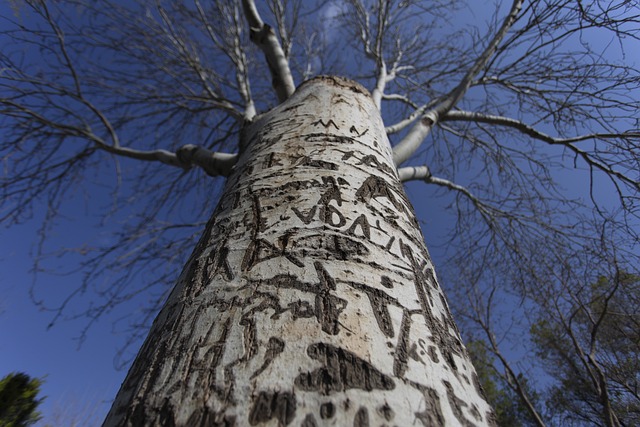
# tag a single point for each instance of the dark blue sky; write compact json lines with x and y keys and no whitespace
{"x":82,"y":378}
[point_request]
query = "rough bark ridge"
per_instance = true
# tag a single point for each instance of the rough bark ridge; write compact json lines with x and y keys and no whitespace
{"x":311,"y":298}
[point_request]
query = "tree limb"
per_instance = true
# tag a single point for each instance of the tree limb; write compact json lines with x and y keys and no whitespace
{"x":566,"y":142}
{"x":511,"y":377}
{"x":265,"y":38}
{"x":213,"y":163}
{"x":423,"y":173}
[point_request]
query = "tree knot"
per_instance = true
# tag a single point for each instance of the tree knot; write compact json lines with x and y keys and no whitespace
{"x":186,"y":154}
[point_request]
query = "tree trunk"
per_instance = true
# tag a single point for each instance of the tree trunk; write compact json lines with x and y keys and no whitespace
{"x":311,"y":298}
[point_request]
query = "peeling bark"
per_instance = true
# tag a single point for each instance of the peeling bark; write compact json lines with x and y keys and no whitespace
{"x":311,"y":297}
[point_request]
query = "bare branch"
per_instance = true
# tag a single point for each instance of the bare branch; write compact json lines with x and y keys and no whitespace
{"x":188,"y":155}
{"x":212,"y":163}
{"x":489,"y":213}
{"x":407,"y":146}
{"x":565,"y":142}
{"x":265,"y":38}
{"x":483,"y":318}
{"x":403,"y":124}
{"x":236,"y":54}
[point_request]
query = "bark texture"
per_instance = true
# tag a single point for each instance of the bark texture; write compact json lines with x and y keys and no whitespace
{"x":311,"y":299}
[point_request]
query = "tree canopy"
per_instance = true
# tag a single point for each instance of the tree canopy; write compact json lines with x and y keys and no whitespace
{"x":592,"y":347}
{"x":19,"y":400}
{"x":521,"y":121}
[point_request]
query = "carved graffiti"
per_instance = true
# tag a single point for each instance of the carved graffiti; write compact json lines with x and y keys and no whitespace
{"x":261,"y":250}
{"x":375,"y":187}
{"x":268,"y":405}
{"x":274,"y":347}
{"x":353,"y":129}
{"x":325,"y":125}
{"x":313,"y":249}
{"x":306,"y":218}
{"x":341,"y":370}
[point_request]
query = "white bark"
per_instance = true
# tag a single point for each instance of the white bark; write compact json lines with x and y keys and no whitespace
{"x":265,"y":38}
{"x":311,"y":298}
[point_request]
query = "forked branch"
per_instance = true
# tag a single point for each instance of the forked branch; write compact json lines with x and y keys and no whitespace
{"x":408,"y":145}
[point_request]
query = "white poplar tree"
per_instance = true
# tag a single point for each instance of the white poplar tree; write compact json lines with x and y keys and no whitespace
{"x":310,"y":298}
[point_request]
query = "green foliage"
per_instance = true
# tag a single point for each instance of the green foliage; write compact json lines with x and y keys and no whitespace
{"x":18,"y":400}
{"x":509,"y":409}
{"x":592,"y":349}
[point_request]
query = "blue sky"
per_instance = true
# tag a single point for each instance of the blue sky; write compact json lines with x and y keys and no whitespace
{"x":82,"y":378}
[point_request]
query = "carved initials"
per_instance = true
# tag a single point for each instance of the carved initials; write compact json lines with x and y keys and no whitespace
{"x":261,"y":250}
{"x":327,"y":215}
{"x":354,"y":130}
{"x":326,"y":125}
{"x":305,"y":218}
{"x":364,"y":226}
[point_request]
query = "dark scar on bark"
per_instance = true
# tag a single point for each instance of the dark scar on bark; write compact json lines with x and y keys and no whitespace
{"x":372,"y":161}
{"x":347,"y":155}
{"x":402,"y":351}
{"x":305,"y":218}
{"x":309,"y":421}
{"x":315,"y":163}
{"x":327,"y":214}
{"x":274,"y":347}
{"x":342,"y":370}
{"x":390,"y":242}
{"x":386,"y":282}
{"x":375,"y":187}
{"x":208,"y":363}
{"x":268,"y":405}
{"x":456,"y":405}
{"x":362,"y":418}
{"x":329,"y":246}
{"x":327,"y":307}
{"x":249,"y":337}
{"x":271,"y":160}
{"x":363,"y":223}
{"x":433,"y":354}
{"x":260,"y":250}
{"x":332,"y":193}
{"x":379,"y":301}
{"x":327,"y":410}
{"x":221,"y":262}
{"x":432,"y":415}
{"x":301,"y":310}
{"x":447,"y":343}
{"x":386,"y":411}
{"x":329,"y":138}
{"x":354,"y":130}
{"x":207,"y":417}
{"x":380,"y":309}
{"x":475,"y":412}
